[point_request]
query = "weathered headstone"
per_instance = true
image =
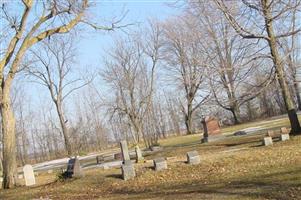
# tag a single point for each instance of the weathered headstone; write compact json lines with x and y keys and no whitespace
{"x":211,"y":129}
{"x":160,"y":164}
{"x":74,"y":169}
{"x":29,"y":175}
{"x":193,"y":157}
{"x":284,"y":137}
{"x":128,"y":170}
{"x":124,"y":151}
{"x":139,"y":157}
{"x":267,"y":141}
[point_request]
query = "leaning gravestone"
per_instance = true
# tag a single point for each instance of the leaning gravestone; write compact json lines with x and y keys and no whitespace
{"x":267,"y":141}
{"x":193,"y":158}
{"x":128,"y":170}
{"x":124,"y":151}
{"x":160,"y":164}
{"x":74,"y":169}
{"x":29,"y":175}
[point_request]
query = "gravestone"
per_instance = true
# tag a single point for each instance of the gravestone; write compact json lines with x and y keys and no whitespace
{"x":124,"y":151}
{"x":128,"y":170}
{"x":284,"y":130}
{"x":211,"y":129}
{"x":29,"y":175}
{"x":74,"y":169}
{"x":160,"y":164}
{"x":267,"y":141}
{"x":284,"y":137}
{"x":139,"y":157}
{"x":193,"y":158}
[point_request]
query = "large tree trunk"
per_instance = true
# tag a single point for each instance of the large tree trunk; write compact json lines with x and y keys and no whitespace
{"x":9,"y":141}
{"x":295,"y":126}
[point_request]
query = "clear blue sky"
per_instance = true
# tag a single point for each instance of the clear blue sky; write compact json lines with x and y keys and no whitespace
{"x":93,"y":45}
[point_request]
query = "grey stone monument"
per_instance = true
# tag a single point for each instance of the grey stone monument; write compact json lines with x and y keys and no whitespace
{"x":160,"y":164}
{"x":128,"y":170}
{"x":267,"y":141}
{"x":284,"y":137}
{"x":193,"y":158}
{"x":74,"y":169}
{"x":124,"y":151}
{"x":29,"y":175}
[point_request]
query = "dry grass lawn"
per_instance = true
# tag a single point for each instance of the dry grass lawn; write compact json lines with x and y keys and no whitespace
{"x":235,"y":168}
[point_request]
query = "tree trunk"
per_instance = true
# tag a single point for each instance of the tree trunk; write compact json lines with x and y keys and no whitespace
{"x":68,"y":145}
{"x":297,"y":94}
{"x":188,"y":124}
{"x":188,"y":119}
{"x":235,"y":112}
{"x":295,"y":126}
{"x":9,"y":141}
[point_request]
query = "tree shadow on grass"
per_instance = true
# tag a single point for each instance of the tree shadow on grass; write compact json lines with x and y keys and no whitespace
{"x":265,"y":186}
{"x":115,"y":176}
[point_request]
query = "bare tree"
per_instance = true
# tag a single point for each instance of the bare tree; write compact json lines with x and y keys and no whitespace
{"x":53,"y":69}
{"x":186,"y":65}
{"x":232,"y":61}
{"x":130,"y":73}
{"x":269,"y":14}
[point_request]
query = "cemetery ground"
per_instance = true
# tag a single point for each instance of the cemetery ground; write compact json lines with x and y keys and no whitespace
{"x":233,"y":168}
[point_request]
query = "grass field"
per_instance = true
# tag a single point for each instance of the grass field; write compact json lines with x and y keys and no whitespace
{"x":234,"y":168}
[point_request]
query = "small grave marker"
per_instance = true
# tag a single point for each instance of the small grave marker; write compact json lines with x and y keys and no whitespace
{"x":139,"y":157}
{"x":160,"y":164}
{"x":193,"y":158}
{"x":29,"y":175}
{"x":267,"y":141}
{"x":284,"y":137}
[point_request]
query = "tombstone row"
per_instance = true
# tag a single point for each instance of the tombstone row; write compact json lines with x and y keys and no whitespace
{"x":74,"y":169}
{"x":268,"y":140}
{"x":128,"y":170}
